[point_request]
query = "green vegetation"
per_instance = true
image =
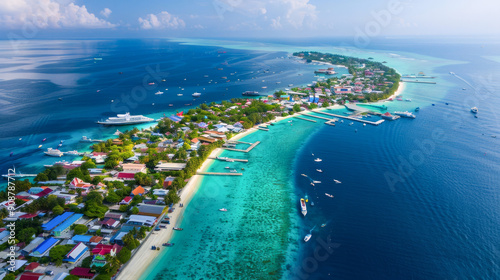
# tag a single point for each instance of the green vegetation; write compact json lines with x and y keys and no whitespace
{"x":80,"y":229}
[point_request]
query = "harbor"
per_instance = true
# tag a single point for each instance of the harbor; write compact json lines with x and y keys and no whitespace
{"x":229,"y":159}
{"x":252,"y":145}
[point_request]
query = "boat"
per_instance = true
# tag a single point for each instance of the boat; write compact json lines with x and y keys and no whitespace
{"x":264,"y":87}
{"x":447,"y":103}
{"x":73,"y":153}
{"x":417,"y":109}
{"x":53,"y":152}
{"x":20,"y":139}
{"x":337,"y":181}
{"x":170,"y":105}
{"x":43,"y":140}
{"x":179,"y":94}
{"x":178,"y":228}
{"x":125,"y":119}
{"x":196,"y":94}
{"x":85,"y":140}
{"x":319,"y":170}
{"x":303,"y":206}
{"x":168,"y":244}
{"x":405,"y":114}
{"x":11,"y":153}
{"x":364,"y":124}
{"x":473,"y":110}
{"x":233,"y":171}
{"x":323,"y":225}
{"x":60,"y":99}
{"x":158,"y":92}
{"x":318,"y":160}
{"x":223,"y":210}
{"x":316,"y":182}
{"x":39,"y":146}
{"x":307,"y":237}
{"x":152,"y":83}
{"x":388,"y":116}
{"x":250,"y":93}
{"x":329,"y":195}
{"x":304,"y":175}
{"x":351,"y":123}
{"x":312,"y":203}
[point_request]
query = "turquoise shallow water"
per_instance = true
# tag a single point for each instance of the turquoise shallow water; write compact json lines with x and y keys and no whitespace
{"x":251,"y":239}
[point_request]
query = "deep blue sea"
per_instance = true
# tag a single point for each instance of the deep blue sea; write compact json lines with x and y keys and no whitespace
{"x":419,"y":199}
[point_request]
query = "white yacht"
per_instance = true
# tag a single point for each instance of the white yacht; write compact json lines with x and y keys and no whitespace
{"x":159,"y":92}
{"x":303,"y":206}
{"x":124,"y":119}
{"x":307,"y":237}
{"x":53,"y":152}
{"x":196,"y":94}
{"x":318,"y":160}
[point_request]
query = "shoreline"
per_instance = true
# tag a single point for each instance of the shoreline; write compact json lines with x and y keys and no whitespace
{"x":139,"y":263}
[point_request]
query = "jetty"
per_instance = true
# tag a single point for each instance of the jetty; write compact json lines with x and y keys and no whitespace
{"x":418,"y":82}
{"x":301,"y":118}
{"x":353,"y":118}
{"x":6,"y":176}
{"x":252,"y":145}
{"x":229,"y":159}
{"x":262,"y":128}
{"x":219,"y":173}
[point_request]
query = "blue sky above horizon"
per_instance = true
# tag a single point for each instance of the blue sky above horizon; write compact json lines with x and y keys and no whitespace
{"x":248,"y":18}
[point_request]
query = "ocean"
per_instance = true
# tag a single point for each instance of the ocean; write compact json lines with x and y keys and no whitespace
{"x":418,"y":199}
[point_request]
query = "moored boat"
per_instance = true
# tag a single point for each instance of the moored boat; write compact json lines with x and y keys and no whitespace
{"x":53,"y":152}
{"x":473,"y":110}
{"x":303,"y":207}
{"x":405,"y":114}
{"x":307,"y":237}
{"x":125,"y":119}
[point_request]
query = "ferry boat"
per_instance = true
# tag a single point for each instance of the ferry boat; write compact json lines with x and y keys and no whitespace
{"x":250,"y":93}
{"x":196,"y":94}
{"x":307,"y":237}
{"x":473,"y":110}
{"x":125,"y":119}
{"x":405,"y":114}
{"x":223,"y":210}
{"x":53,"y":152}
{"x":303,"y":206}
{"x":388,"y":116}
{"x":318,"y":160}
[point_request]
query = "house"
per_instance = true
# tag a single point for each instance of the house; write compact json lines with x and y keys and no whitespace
{"x":95,"y":240}
{"x":117,"y":141}
{"x":151,"y":210}
{"x":126,"y":176}
{"x":44,"y":247}
{"x":34,"y":243}
{"x":31,"y":267}
{"x":31,"y":276}
{"x":114,"y":216}
{"x":138,"y":191}
{"x":81,"y":239}
{"x":78,"y":183}
{"x":169,"y":166}
{"x":98,"y":261}
{"x":165,"y":144}
{"x":133,"y":168}
{"x":45,"y":192}
{"x":141,"y":220}
{"x":82,"y":272}
{"x":56,"y":221}
{"x":69,"y":198}
{"x":160,"y":192}
{"x":168,"y":182}
{"x":110,"y":223}
{"x":207,"y":139}
{"x":104,"y":250}
{"x":76,"y":253}
{"x":65,"y":226}
{"x":60,"y":276}
{"x":126,"y":200}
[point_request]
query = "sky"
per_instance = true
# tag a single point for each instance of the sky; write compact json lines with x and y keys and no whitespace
{"x":247,"y":18}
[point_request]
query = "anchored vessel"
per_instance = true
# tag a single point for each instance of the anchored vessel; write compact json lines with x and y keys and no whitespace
{"x":303,"y":206}
{"x":473,"y":110}
{"x":124,"y":119}
{"x":53,"y":152}
{"x":405,"y":114}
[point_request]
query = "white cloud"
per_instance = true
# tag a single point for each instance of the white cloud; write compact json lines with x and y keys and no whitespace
{"x":47,"y":14}
{"x":299,"y":11}
{"x":161,"y":21}
{"x":276,"y":23}
{"x":198,"y":26}
{"x":106,"y":12}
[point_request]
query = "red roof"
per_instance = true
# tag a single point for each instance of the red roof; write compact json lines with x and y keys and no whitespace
{"x":103,"y":250}
{"x":126,"y":175}
{"x":110,"y":222}
{"x":30,"y":276}
{"x":44,"y":192}
{"x":32,"y":266}
{"x":27,"y":216}
{"x":127,"y":199}
{"x":82,"y":272}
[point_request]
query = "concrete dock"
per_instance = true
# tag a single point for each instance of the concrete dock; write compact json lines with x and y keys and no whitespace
{"x":301,"y":118}
{"x":233,"y":159}
{"x":244,"y":151}
{"x":352,"y":119}
{"x":219,"y":173}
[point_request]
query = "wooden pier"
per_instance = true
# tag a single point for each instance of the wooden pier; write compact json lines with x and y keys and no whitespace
{"x":244,"y":151}
{"x":229,"y":159}
{"x":219,"y":173}
{"x":353,"y":119}
{"x":301,"y":118}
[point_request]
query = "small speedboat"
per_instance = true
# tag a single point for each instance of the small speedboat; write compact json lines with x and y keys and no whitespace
{"x":337,"y":181}
{"x":323,"y":225}
{"x":364,"y":124}
{"x":417,"y":109}
{"x":312,"y":203}
{"x":307,"y":237}
{"x":329,"y":195}
{"x":223,"y":210}
{"x":43,"y":140}
{"x":20,"y":139}
{"x":317,"y":182}
{"x":319,"y":170}
{"x":178,"y":228}
{"x":158,"y":92}
{"x":351,"y":123}
{"x":318,"y":160}
{"x":233,"y":171}
{"x":168,"y":244}
{"x":227,"y":167}
{"x":39,"y":146}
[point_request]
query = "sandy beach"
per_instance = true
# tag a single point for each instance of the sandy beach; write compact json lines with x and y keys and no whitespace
{"x":138,"y":264}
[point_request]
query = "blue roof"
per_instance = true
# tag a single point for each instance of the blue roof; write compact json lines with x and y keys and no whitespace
{"x":81,"y":238}
{"x":175,"y":118}
{"x":57,"y":220}
{"x":68,"y":222}
{"x":44,"y":246}
{"x":4,"y":234}
{"x":35,"y":190}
